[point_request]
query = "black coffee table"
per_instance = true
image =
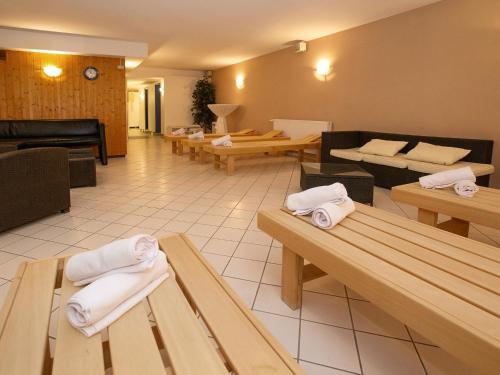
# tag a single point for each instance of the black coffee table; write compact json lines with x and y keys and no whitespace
{"x":357,"y":181}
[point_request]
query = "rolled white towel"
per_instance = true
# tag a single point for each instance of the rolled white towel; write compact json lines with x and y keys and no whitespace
{"x":180,"y":131}
{"x":466,"y":188}
{"x":329,"y":214}
{"x":197,"y":135}
{"x":220,"y":141}
{"x":447,"y":178}
{"x":228,"y":144}
{"x":99,"y":304}
{"x":306,"y":201}
{"x":134,"y":254}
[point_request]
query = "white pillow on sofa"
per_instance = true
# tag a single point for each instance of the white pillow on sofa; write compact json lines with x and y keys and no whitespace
{"x":382,"y":147}
{"x":436,"y":154}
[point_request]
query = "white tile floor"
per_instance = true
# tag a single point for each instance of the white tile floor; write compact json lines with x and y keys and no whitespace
{"x":152,"y":191}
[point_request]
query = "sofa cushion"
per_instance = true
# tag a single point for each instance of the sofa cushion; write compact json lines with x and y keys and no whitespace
{"x":429,"y":168}
{"x":436,"y":154}
{"x":347,"y":153}
{"x":382,"y":147}
{"x":56,"y":128}
{"x":4,"y":129}
{"x":397,"y":161}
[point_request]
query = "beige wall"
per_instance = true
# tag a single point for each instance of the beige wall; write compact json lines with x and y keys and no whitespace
{"x":431,"y":71}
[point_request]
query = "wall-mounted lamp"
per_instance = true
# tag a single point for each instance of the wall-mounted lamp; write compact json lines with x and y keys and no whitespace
{"x":52,"y":71}
{"x":161,"y":90}
{"x":323,"y":68}
{"x":240,"y":81}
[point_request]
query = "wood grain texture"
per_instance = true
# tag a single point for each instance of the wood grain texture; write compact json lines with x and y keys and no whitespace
{"x":27,"y":93}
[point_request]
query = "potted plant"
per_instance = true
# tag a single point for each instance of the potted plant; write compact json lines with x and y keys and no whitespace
{"x":203,"y":94}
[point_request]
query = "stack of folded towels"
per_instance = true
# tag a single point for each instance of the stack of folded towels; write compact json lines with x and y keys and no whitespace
{"x":197,"y":135}
{"x":119,"y":275}
{"x":222,"y":141}
{"x":329,"y":204}
{"x":462,"y":179}
{"x":180,"y":131}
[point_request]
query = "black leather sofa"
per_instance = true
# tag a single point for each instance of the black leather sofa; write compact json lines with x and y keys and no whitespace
{"x":22,"y":134}
{"x":387,"y":176}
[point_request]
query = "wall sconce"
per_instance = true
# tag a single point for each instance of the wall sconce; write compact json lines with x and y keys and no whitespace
{"x":240,"y":81}
{"x":52,"y":71}
{"x":323,"y":68}
{"x":161,"y":90}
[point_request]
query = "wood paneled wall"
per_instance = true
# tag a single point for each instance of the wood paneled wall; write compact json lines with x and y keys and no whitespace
{"x":27,"y":93}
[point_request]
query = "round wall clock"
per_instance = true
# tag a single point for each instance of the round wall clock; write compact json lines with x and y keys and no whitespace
{"x":91,"y":73}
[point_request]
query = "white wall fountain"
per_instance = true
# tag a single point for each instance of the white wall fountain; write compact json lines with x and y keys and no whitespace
{"x":222,"y":111}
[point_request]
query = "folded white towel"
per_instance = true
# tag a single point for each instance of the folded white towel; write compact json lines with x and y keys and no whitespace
{"x":466,"y":188}
{"x":447,"y":178}
{"x":99,"y":304}
{"x":329,"y":214}
{"x":306,"y":201}
{"x":134,"y":254}
{"x":180,"y":131}
{"x":220,"y":141}
{"x":228,"y":144}
{"x":197,"y":135}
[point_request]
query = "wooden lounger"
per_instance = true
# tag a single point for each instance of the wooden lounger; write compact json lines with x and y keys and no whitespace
{"x":177,"y":144}
{"x":135,"y":345}
{"x":444,"y":286}
{"x":195,"y":145}
{"x":254,"y":148}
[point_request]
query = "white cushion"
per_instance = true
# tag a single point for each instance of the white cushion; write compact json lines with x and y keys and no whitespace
{"x":436,"y":154}
{"x":423,"y":167}
{"x":397,"y":161}
{"x":347,"y":153}
{"x":382,"y":147}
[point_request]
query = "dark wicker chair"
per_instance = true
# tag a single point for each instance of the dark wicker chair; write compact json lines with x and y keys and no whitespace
{"x":34,"y":184}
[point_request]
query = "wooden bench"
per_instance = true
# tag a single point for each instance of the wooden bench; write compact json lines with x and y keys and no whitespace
{"x":444,"y":286}
{"x":195,"y":146}
{"x":176,"y":140}
{"x":262,"y":147}
{"x":136,"y":346}
{"x":483,"y":208}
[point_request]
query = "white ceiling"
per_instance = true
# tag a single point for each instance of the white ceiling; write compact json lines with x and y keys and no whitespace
{"x":200,"y":34}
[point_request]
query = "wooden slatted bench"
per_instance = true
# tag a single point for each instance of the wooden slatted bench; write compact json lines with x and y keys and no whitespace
{"x":176,"y":140}
{"x":135,"y":345}
{"x":444,"y":286}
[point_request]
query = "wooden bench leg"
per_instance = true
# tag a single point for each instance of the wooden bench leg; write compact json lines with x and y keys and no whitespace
{"x":457,"y":226}
{"x":174,"y":147}
{"x":180,"y":150}
{"x":202,"y":156}
{"x":216,"y":161}
{"x":192,"y":153}
{"x":230,"y":165}
{"x":300,"y":155}
{"x":427,"y":217}
{"x":291,"y":279}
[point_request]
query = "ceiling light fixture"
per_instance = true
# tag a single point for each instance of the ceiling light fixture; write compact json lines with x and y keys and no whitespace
{"x":52,"y":71}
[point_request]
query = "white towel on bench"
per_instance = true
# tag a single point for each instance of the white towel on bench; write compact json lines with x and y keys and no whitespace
{"x":329,"y":214}
{"x":221,"y":140}
{"x":306,"y":201}
{"x":134,"y":254}
{"x":99,"y":304}
{"x":197,"y":135}
{"x":466,"y":188}
{"x":447,"y":178}
{"x":180,"y":131}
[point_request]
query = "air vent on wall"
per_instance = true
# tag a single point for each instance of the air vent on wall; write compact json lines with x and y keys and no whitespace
{"x":3,"y":55}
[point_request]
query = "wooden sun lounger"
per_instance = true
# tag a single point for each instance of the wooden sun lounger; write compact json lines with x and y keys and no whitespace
{"x":195,"y":145}
{"x":255,"y":148}
{"x":444,"y":286}
{"x":177,"y":139}
{"x":176,"y":343}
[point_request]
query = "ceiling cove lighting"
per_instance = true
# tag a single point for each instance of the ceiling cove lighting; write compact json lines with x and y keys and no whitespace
{"x":240,"y":81}
{"x":323,"y":68}
{"x":52,"y":71}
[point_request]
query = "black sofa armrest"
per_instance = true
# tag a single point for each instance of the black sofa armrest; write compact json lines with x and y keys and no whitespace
{"x":338,"y":140}
{"x":103,"y":150}
{"x":35,"y":184}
